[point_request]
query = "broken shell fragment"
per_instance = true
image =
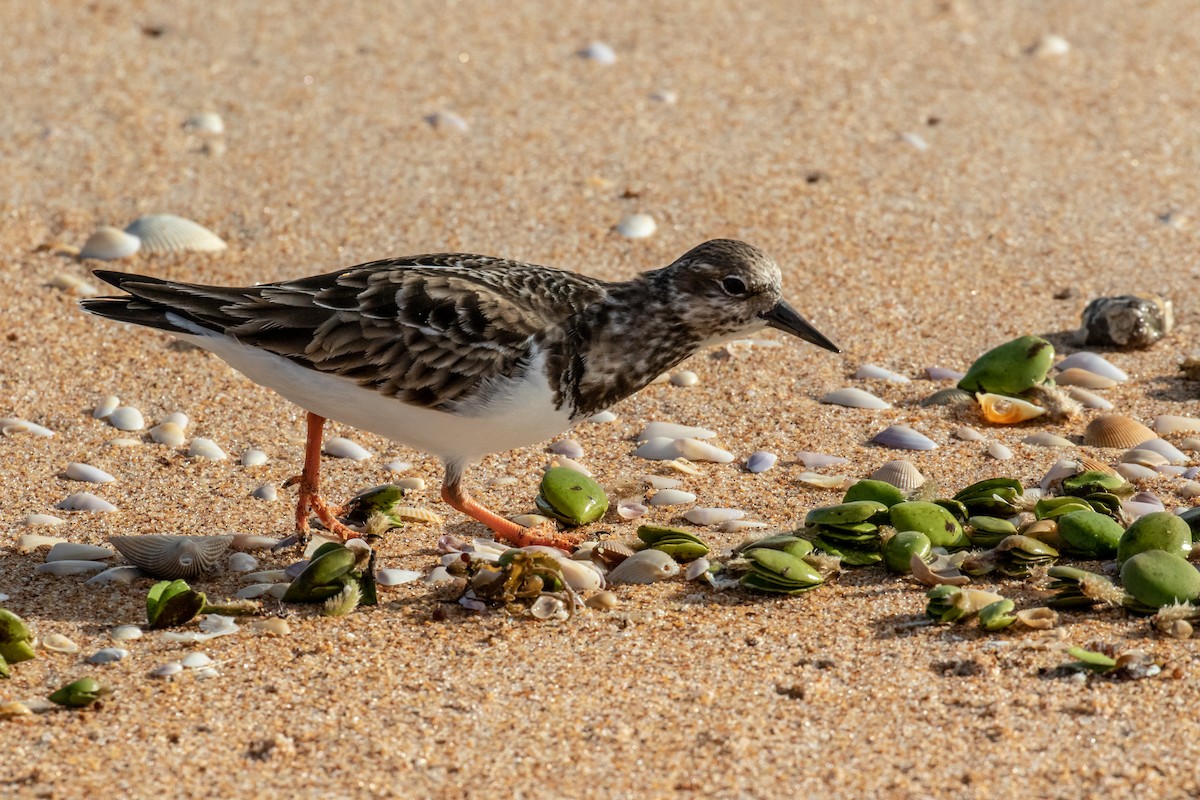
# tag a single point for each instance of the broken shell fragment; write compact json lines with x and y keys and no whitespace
{"x":169,"y":556}
{"x":205,"y":448}
{"x":670,"y":430}
{"x":1003,"y":410}
{"x":167,"y":233}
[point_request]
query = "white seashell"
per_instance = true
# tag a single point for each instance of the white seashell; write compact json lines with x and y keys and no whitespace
{"x":177,"y":418}
{"x":123,"y":633}
{"x":250,"y":542}
{"x":272,"y":626}
{"x":999,"y":451}
{"x":72,"y":283}
{"x":900,"y":473}
{"x":77,"y":567}
{"x":581,"y":575}
{"x":447,"y":121}
{"x":205,"y":448}
{"x":439,"y":575}
{"x":820,"y":460}
{"x":256,"y":590}
{"x":341,"y":447}
{"x":167,"y":233}
{"x":659,"y":448}
{"x":84,"y":501}
{"x":1094,"y":363}
{"x":662,"y":481}
{"x":1170,"y":423}
{"x":72,"y":551}
{"x":671,"y":497}
{"x":267,"y":576}
{"x":108,"y":655}
{"x":872,"y":372}
{"x":631,"y":509}
{"x":168,"y":433}
{"x":1164,"y":448}
{"x":11,"y":426}
{"x":637,"y":226}
{"x":823,"y":481}
{"x":1047,"y":439}
{"x":1147,"y":458}
{"x":712,"y":516}
{"x":87,"y":473}
{"x":696,"y":569}
{"x":1063,"y":468}
{"x":504,"y":480}
{"x":685,"y":378}
{"x":107,"y":405}
{"x":761,"y":461}
{"x":170,"y":557}
{"x":602,"y":601}
{"x":916,"y":140}
{"x":196,"y":661}
{"x":218,"y":625}
{"x":126,"y":418}
{"x":1081,"y":377}
{"x":411,"y":484}
{"x":646,"y":566}
{"x":548,"y":607}
{"x":1050,"y":46}
{"x":1089,"y":399}
{"x":167,"y":670}
{"x":601,"y":417}
{"x":253,"y":457}
{"x":599,"y":52}
{"x":108,"y":244}
{"x":696,"y":450}
{"x":736,"y":525}
{"x":943,"y":374}
{"x":265,"y":491}
{"x":569,"y":463}
{"x":1191,"y":443}
{"x":1134,"y":508}
{"x":42,"y":519}
{"x":242,"y":562}
{"x":902,"y":437}
{"x":122,"y":574}
{"x":967,"y":434}
{"x":58,"y":643}
{"x":1004,"y":410}
{"x":1190,"y":490}
{"x":855,"y":398}
{"x":1172,"y":469}
{"x":669,"y":430}
{"x":28,"y":542}
{"x":567,"y":447}
{"x":1133,"y":472}
{"x":396,"y":577}
{"x":205,"y":122}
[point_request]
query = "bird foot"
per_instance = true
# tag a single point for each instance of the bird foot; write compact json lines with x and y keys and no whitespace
{"x":546,"y":534}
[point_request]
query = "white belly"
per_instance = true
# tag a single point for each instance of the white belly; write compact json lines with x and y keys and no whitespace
{"x":518,"y":414}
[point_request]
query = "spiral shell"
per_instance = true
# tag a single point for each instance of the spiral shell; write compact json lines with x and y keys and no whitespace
{"x":1004,"y":410}
{"x":169,"y":556}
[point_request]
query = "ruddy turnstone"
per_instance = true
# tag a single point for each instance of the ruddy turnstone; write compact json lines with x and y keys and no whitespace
{"x":463,"y":355}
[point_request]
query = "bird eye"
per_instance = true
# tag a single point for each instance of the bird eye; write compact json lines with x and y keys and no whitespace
{"x":734,"y":285}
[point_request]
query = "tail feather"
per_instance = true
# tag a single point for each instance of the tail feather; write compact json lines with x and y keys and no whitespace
{"x":162,"y":304}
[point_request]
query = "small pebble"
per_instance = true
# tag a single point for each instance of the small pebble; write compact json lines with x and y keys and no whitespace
{"x":1050,"y":45}
{"x":208,"y":122}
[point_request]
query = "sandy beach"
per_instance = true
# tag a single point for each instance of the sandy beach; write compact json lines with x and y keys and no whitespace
{"x":933,"y":178}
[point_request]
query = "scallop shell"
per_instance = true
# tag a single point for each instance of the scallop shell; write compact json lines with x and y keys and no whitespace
{"x":1147,"y":458}
{"x":902,"y":474}
{"x":670,"y":430}
{"x":126,"y":418}
{"x":1082,"y":377}
{"x":610,"y":553}
{"x":413,"y":514}
{"x":340,"y":447}
{"x":1003,"y":410}
{"x":253,"y":457}
{"x":967,"y":434}
{"x":872,"y":372}
{"x":1170,"y":423}
{"x":11,"y":426}
{"x":1114,"y":430}
{"x":168,"y":556}
{"x":84,"y":501}
{"x":1094,"y":363}
{"x":760,"y":461}
{"x":1089,"y":399}
{"x":106,"y":406}
{"x":671,"y":497}
{"x":205,"y":448}
{"x":167,"y":233}
{"x":851,"y":397}
{"x":1164,"y":448}
{"x":108,"y":244}
{"x":712,"y":516}
{"x":999,"y":451}
{"x":1047,"y":439}
{"x":902,"y":437}
{"x":74,"y":551}
{"x":87,"y":473}
{"x":646,"y":566}
{"x":567,"y":447}
{"x":637,"y":226}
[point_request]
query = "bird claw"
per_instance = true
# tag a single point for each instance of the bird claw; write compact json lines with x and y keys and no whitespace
{"x":546,"y":534}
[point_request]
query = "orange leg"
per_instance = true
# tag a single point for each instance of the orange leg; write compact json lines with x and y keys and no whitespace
{"x":506,"y":530}
{"x":310,"y":499}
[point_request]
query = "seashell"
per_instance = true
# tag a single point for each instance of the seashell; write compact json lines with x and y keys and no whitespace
{"x":569,"y":463}
{"x":267,"y":576}
{"x":1191,"y":443}
{"x":1190,"y":490}
{"x":1141,"y":504}
{"x":943,"y":374}
{"x":167,"y":670}
{"x":1040,"y":618}
{"x":1170,"y":423}
{"x":447,"y":121}
{"x":631,"y":509}
{"x":1047,"y":439}
{"x":567,"y":447}
{"x":684,"y":466}
{"x":123,"y":441}
{"x":218,"y":625}
{"x":253,"y":457}
{"x":637,"y":226}
{"x":272,"y":626}
{"x":504,"y":480}
{"x":167,"y":233}
{"x":58,"y":643}
{"x":77,"y":567}
{"x":108,"y":655}
{"x":998,"y":451}
{"x":1004,"y":410}
{"x":170,"y":557}
{"x":256,"y":590}
{"x":581,"y":575}
{"x":1093,"y":363}
{"x":72,"y":283}
{"x":669,"y":430}
{"x":662,"y":481}
{"x":121,"y":574}
{"x":413,"y":514}
{"x":602,"y":601}
{"x":548,"y":607}
{"x":736,"y":525}
{"x":712,"y":516}
{"x":1164,"y":448}
{"x":530,"y":520}
{"x":855,"y":398}
{"x":823,"y":481}
{"x":242,"y":562}
{"x":168,"y":433}
{"x":967,"y":434}
{"x":205,"y":122}
{"x":902,"y":437}
{"x":108,"y":244}
{"x":1133,"y":472}
{"x":1086,"y":463}
{"x":1081,"y":377}
{"x":126,"y":418}
{"x":265,"y":491}
{"x":599,"y":52}
{"x":72,"y":551}
{"x":205,"y":448}
{"x":1147,"y":458}
{"x":1172,"y":469}
{"x":28,"y":542}
{"x":107,"y":405}
{"x":123,"y":633}
{"x":1089,"y":399}
{"x":872,"y":372}
{"x":671,"y":497}
{"x":902,"y":474}
{"x":952,"y":396}
{"x":646,"y":566}
{"x":684,"y":378}
{"x":1114,"y":430}
{"x":396,"y":577}
{"x":87,"y":473}
{"x":760,"y":461}
{"x":696,"y":569}
{"x":177,"y":418}
{"x":11,"y":426}
{"x":251,"y":542}
{"x":341,"y":447}
{"x":196,"y":661}
{"x":601,"y":417}
{"x":1050,"y":46}
{"x":820,"y":460}
{"x":696,"y":450}
{"x":84,"y":501}
{"x":439,"y":575}
{"x":42,"y":519}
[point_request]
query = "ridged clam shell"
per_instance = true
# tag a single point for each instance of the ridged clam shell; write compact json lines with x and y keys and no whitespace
{"x":126,"y":418}
{"x":11,"y":426}
{"x":872,"y":372}
{"x":168,"y":556}
{"x":1082,"y":377}
{"x":670,"y":430}
{"x":1094,"y":363}
{"x":341,"y":447}
{"x":999,"y":451}
{"x":646,"y":566}
{"x":106,"y":406}
{"x":1003,"y":410}
{"x":712,"y":516}
{"x":671,"y":497}
{"x":1047,"y":439}
{"x":1114,"y":430}
{"x":820,"y":460}
{"x":167,"y":233}
{"x":84,"y":501}
{"x":851,"y":397}
{"x":1089,"y":399}
{"x":108,"y":244}
{"x":902,"y":474}
{"x":87,"y":473}
{"x":567,"y":447}
{"x":75,"y":551}
{"x":967,"y":434}
{"x":902,"y":437}
{"x":1164,"y":448}
{"x":253,"y":457}
{"x":205,"y":448}
{"x":1171,"y":423}
{"x":760,"y":461}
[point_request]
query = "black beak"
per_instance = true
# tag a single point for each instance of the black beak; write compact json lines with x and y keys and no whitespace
{"x":784,"y":318}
